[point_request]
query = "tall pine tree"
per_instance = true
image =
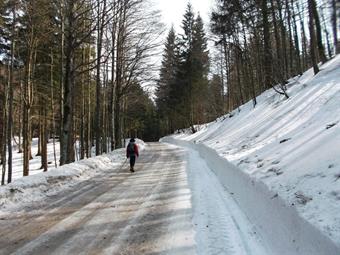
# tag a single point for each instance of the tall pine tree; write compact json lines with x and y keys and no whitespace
{"x":194,"y":68}
{"x":183,"y":86}
{"x":199,"y":72}
{"x":166,"y":83}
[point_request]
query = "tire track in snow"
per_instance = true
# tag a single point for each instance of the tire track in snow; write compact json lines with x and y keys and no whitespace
{"x":221,"y":227}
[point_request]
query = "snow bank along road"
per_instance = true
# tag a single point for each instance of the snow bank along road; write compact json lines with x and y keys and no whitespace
{"x":285,"y":232}
{"x":159,"y":209}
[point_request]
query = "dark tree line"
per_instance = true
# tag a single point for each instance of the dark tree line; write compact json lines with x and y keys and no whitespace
{"x":68,"y":71}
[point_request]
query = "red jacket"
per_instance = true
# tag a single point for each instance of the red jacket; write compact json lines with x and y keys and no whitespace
{"x":135,"y":148}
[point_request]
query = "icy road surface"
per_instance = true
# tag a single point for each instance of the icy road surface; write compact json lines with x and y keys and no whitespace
{"x":172,"y":204}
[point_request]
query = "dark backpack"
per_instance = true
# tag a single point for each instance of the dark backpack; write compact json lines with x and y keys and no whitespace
{"x":131,"y":148}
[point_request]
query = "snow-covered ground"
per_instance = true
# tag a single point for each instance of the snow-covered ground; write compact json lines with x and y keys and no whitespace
{"x":41,"y":184}
{"x":35,"y":163}
{"x":290,"y":145}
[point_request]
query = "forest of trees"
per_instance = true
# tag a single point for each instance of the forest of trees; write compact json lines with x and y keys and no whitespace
{"x":73,"y":72}
{"x":256,"y":45}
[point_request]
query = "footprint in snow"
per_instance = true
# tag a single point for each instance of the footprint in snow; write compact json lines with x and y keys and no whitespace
{"x":259,"y":165}
{"x":302,"y":198}
{"x":277,"y":171}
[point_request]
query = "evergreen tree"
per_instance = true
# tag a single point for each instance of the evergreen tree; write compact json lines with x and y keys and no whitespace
{"x":140,"y":120}
{"x":194,"y":69}
{"x":167,"y":73}
{"x":183,"y":86}
{"x":200,"y":70}
{"x":216,"y":97}
{"x":184,"y":75}
{"x":166,"y":82}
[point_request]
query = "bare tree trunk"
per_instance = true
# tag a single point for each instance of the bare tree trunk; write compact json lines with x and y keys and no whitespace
{"x":329,"y":49}
{"x":279,"y":55}
{"x":10,"y":102}
{"x":249,"y":68}
{"x":67,"y":151}
{"x":321,"y":48}
{"x":296,"y":41}
{"x":40,"y":130}
{"x":113,"y":72}
{"x":312,"y":37}
{"x":82,"y":118}
{"x":117,"y":99}
{"x":283,"y":44}
{"x":100,"y":32}
{"x":62,"y":80}
{"x":67,"y":137}
{"x":267,"y":46}
{"x":290,"y":39}
{"x":304,"y":38}
{"x":239,"y":83}
{"x":20,"y":114}
{"x":52,"y":110}
{"x":4,"y":134}
{"x":2,"y":106}
{"x":44,"y":139}
{"x":2,"y":120}
{"x":27,"y":115}
{"x":112,"y":92}
{"x":335,"y":27}
{"x":117,"y":121}
{"x":88,"y":116}
{"x":104,"y":110}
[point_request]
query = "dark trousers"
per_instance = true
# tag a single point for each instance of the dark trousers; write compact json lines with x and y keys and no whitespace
{"x":132,"y":161}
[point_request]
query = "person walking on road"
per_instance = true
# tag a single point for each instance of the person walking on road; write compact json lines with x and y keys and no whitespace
{"x":132,"y":153}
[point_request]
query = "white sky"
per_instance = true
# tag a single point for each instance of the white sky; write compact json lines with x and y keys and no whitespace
{"x":173,"y":11}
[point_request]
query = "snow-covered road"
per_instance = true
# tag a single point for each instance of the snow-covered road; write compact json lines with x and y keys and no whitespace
{"x":172,"y":204}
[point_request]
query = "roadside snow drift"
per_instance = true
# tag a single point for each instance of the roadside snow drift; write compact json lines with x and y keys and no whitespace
{"x":287,"y":150}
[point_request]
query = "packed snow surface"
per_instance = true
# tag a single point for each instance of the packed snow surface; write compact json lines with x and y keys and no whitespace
{"x":290,"y":145}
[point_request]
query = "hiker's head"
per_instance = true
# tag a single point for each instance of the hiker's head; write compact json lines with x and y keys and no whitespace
{"x":132,"y":140}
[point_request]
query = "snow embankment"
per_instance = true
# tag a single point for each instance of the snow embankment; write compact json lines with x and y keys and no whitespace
{"x":281,"y":160}
{"x":36,"y":187}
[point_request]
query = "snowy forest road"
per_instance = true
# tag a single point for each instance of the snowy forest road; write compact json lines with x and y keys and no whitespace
{"x":155,"y":210}
{"x":147,"y":212}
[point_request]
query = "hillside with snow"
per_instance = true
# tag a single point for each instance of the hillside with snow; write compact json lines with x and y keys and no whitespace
{"x":290,"y":145}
